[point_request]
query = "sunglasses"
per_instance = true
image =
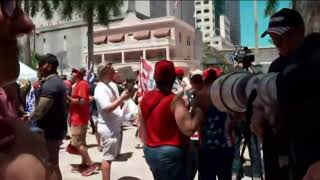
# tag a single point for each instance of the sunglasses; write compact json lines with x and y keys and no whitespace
{"x":108,"y":66}
{"x":9,"y":8}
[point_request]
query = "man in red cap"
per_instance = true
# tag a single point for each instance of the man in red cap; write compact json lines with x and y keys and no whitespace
{"x":182,"y":83}
{"x":79,"y":118}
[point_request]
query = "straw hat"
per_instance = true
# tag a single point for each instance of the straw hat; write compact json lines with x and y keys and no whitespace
{"x":101,"y":69}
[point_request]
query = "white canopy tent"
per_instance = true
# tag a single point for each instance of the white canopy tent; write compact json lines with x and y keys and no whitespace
{"x":27,"y":73}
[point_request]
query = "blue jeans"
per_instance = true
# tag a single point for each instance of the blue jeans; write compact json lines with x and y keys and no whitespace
{"x":192,"y":159}
{"x":254,"y":153}
{"x":166,"y":162}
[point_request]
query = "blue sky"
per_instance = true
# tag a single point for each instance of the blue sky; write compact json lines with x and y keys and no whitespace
{"x":247,"y":22}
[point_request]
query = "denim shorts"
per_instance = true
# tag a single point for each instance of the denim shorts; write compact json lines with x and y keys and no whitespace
{"x":166,"y":162}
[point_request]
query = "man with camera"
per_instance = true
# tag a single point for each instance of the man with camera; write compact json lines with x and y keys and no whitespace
{"x":109,"y":102}
{"x":298,"y":98}
{"x":286,"y":29}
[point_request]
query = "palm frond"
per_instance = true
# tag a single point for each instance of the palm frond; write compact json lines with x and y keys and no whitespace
{"x":115,"y":6}
{"x":103,"y":14}
{"x":34,"y":7}
{"x":88,"y":11}
{"x":55,"y":4}
{"x":46,"y":9}
{"x":271,"y":7}
{"x":67,"y":9}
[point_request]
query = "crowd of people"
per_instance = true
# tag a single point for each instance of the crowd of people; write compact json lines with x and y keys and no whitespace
{"x":182,"y":131}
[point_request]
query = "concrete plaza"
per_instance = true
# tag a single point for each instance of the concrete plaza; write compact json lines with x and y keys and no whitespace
{"x":130,"y":166}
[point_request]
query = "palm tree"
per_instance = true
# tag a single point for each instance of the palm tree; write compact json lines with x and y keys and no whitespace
{"x":32,"y":7}
{"x":91,"y":10}
{"x":271,"y":7}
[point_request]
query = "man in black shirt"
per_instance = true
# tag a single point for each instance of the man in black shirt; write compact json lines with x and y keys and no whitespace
{"x":298,"y":97}
{"x":286,"y":29}
{"x":50,"y":112}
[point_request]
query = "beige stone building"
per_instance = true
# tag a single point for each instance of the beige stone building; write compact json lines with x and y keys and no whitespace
{"x":125,"y":42}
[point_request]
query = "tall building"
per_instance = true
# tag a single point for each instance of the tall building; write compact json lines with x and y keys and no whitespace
{"x":211,"y":20}
{"x":183,"y":10}
{"x":233,"y":12}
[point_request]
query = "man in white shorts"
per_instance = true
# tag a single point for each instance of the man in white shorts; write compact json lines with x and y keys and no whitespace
{"x":110,"y":116}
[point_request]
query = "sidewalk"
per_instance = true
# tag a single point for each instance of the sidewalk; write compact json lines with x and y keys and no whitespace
{"x":131,"y":165}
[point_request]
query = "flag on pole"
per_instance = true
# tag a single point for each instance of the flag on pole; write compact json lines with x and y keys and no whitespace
{"x":146,"y":81}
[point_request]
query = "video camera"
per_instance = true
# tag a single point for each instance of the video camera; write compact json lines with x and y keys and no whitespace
{"x":244,"y":56}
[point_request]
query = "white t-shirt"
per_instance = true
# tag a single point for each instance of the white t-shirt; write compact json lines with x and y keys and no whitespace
{"x":104,"y":95}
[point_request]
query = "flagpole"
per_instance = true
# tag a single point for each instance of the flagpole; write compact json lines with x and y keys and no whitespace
{"x":181,"y":10}
{"x":140,"y":82}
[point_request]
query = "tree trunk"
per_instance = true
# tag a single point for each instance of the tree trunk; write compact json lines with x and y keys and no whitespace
{"x":91,"y":59}
{"x":27,"y":47}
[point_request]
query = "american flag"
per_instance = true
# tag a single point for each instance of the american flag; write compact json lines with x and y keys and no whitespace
{"x":146,"y":81}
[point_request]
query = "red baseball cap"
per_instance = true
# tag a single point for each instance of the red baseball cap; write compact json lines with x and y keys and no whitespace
{"x":164,"y":71}
{"x":179,"y":71}
{"x":210,"y":73}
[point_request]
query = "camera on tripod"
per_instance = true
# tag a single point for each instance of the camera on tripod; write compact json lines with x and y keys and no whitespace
{"x":244,"y":56}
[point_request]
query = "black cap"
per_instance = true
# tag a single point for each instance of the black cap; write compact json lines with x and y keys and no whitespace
{"x":47,"y":58}
{"x":283,"y":20}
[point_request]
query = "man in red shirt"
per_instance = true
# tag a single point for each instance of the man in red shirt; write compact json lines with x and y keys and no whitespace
{"x":79,"y":118}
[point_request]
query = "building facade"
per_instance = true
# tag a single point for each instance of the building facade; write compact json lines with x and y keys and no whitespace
{"x":180,"y":9}
{"x":233,"y":12}
{"x":68,"y":38}
{"x":125,"y":43}
{"x":211,"y":20}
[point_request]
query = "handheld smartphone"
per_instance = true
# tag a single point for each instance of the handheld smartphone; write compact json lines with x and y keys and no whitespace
{"x":129,"y":87}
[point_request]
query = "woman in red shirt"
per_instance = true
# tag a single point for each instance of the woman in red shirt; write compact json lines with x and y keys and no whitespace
{"x":166,"y":125}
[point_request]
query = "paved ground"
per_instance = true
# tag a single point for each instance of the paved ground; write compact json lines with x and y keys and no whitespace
{"x":131,"y":166}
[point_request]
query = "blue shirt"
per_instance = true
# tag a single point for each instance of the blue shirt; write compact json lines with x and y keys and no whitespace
{"x":213,"y":135}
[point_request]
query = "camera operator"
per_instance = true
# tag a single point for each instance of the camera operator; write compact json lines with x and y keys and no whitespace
{"x":298,"y":97}
{"x":286,"y":29}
